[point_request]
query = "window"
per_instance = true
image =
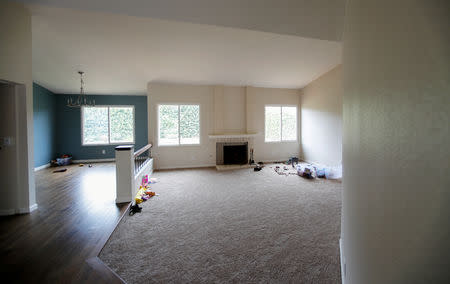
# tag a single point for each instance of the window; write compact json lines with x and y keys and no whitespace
{"x":102,"y":125}
{"x":280,"y":123}
{"x":178,"y":124}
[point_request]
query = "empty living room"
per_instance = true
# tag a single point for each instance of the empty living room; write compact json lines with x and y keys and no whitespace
{"x":237,"y":141}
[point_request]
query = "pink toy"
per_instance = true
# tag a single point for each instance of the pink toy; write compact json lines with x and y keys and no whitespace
{"x":145,"y":180}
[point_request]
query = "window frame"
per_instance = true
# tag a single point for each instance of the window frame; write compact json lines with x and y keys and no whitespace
{"x":281,"y":122}
{"x":109,"y":125}
{"x":179,"y":138}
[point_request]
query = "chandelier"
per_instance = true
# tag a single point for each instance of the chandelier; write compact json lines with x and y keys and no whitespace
{"x":81,"y":99}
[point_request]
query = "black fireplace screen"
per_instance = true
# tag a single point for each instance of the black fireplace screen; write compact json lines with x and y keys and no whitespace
{"x":235,"y":154}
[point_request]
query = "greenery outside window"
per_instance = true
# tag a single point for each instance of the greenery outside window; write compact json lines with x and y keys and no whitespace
{"x":178,"y":125}
{"x":103,"y":125}
{"x":280,"y":123}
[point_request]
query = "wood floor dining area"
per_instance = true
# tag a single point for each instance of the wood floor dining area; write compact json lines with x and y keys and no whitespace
{"x":59,"y":242}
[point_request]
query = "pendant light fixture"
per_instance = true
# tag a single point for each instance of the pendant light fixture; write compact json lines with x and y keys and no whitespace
{"x":81,"y":100}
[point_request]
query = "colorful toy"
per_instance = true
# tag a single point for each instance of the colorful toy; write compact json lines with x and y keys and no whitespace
{"x":144,"y":180}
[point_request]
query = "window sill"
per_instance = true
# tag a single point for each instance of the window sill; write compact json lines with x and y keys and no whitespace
{"x":109,"y":144}
{"x":284,"y":141}
{"x":180,"y":145}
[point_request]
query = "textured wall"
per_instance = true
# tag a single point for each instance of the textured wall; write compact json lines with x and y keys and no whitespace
{"x":16,"y":66}
{"x":68,"y":127}
{"x":321,"y":119}
{"x":396,"y":201}
{"x":44,"y":121}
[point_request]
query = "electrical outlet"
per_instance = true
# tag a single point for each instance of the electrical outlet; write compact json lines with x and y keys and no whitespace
{"x":6,"y":141}
{"x":103,"y":151}
{"x":345,"y":270}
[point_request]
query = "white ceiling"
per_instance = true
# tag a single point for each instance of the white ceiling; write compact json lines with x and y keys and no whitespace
{"x":321,"y":19}
{"x":121,"y":54}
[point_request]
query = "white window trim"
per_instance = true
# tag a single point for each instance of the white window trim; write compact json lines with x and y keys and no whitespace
{"x":109,"y":127}
{"x":281,"y":123}
{"x":179,"y":104}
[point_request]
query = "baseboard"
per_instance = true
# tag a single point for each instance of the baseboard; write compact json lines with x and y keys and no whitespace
{"x":6,"y":212}
{"x":42,"y":167}
{"x":33,"y":207}
{"x":122,"y":199}
{"x":343,"y":263}
{"x":26,"y":210}
{"x":187,"y":167}
{"x":23,"y":210}
{"x":210,"y":165}
{"x":93,"y":161}
{"x":274,"y":161}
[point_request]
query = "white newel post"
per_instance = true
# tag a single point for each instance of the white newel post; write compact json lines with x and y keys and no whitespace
{"x":124,"y":173}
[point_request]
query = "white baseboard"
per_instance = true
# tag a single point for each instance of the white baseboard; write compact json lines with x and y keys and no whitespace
{"x":6,"y":212}
{"x":23,"y":210}
{"x":122,"y":199}
{"x":26,"y":210}
{"x":94,"y":161}
{"x":187,"y":167}
{"x":33,"y":207}
{"x":42,"y":167}
{"x":208,"y":165}
{"x":274,"y":161}
{"x":343,"y":263}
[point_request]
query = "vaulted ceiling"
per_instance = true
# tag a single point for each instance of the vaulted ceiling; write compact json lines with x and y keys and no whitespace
{"x":125,"y":45}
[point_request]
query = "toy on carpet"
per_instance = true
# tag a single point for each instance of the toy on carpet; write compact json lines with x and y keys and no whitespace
{"x":306,"y":171}
{"x":144,"y":193}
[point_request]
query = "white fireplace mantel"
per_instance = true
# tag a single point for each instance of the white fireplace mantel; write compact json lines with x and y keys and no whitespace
{"x":232,"y":135}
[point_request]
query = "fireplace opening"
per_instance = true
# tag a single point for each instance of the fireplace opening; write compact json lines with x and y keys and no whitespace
{"x":235,"y":154}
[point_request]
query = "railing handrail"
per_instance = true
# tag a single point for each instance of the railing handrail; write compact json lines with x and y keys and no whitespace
{"x":142,"y":150}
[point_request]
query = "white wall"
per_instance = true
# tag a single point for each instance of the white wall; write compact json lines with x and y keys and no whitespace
{"x":182,"y":156}
{"x":229,"y":110}
{"x":257,"y":99}
{"x":396,"y":200}
{"x":321,"y":119}
{"x":15,"y":66}
{"x":234,"y":106}
{"x":223,"y":110}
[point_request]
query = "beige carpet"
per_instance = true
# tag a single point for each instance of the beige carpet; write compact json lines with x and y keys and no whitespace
{"x":235,"y":226}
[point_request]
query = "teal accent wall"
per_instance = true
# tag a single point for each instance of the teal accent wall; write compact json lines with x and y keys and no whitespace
{"x":68,"y":126}
{"x":44,"y":125}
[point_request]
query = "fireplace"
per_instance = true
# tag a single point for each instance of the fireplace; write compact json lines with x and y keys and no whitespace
{"x":232,"y":153}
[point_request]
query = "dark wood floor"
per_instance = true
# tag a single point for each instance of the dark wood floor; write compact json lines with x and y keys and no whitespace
{"x":59,"y":242}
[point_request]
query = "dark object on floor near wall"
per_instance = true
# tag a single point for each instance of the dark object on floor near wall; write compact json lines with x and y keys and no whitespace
{"x":64,"y":160}
{"x":60,"y":171}
{"x":292,"y":161}
{"x":134,"y":209}
{"x":257,"y":168}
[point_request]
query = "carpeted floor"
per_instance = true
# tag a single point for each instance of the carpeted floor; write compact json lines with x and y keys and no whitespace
{"x":235,"y":226}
